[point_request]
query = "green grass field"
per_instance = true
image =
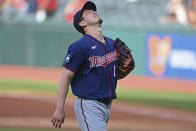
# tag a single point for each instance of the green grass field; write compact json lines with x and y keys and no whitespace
{"x":186,"y":101}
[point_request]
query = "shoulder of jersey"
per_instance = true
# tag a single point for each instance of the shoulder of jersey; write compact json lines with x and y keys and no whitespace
{"x":81,"y":42}
{"x":111,"y":41}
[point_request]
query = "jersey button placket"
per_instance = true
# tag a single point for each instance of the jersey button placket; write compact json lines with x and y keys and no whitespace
{"x":107,"y":68}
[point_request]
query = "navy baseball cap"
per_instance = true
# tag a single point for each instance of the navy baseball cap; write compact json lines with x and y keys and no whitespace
{"x":89,"y":5}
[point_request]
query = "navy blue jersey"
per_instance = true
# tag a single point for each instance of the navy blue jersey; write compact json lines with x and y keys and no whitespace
{"x":95,"y":66}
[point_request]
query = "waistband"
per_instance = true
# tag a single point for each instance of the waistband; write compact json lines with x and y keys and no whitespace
{"x":105,"y":101}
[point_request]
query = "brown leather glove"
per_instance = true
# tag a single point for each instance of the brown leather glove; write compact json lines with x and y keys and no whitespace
{"x":123,"y":53}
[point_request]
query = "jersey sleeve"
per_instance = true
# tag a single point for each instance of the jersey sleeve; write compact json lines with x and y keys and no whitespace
{"x":74,"y":58}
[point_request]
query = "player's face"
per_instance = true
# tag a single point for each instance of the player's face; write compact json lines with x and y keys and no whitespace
{"x":91,"y":17}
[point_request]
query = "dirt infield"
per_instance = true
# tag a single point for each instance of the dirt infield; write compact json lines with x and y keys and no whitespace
{"x":33,"y":110}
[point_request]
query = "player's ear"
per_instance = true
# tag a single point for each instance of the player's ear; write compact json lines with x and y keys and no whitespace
{"x":82,"y":23}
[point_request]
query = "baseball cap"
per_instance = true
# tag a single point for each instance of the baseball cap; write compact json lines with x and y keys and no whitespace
{"x":89,"y":5}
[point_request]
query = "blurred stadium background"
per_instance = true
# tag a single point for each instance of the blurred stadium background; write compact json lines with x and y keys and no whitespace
{"x":35,"y":35}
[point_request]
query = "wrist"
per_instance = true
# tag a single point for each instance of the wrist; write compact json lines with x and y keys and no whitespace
{"x":60,"y":108}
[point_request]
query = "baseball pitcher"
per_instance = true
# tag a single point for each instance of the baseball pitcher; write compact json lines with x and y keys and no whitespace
{"x":93,"y":65}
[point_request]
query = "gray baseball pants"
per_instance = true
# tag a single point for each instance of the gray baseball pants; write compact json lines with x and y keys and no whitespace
{"x":92,"y":115}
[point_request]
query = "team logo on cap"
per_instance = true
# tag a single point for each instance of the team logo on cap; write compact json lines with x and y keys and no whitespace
{"x":67,"y":59}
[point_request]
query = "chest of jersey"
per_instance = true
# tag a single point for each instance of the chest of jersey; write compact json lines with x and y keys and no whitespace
{"x":100,"y":55}
{"x":96,"y":74}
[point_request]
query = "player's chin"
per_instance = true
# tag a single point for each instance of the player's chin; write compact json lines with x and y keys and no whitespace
{"x":100,"y":21}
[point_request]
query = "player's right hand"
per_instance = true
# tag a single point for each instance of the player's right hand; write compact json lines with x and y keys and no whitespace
{"x":58,"y":118}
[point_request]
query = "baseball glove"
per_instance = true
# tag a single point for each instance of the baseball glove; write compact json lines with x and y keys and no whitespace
{"x":123,"y":53}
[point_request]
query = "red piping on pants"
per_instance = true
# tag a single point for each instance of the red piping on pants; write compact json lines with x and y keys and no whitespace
{"x":84,"y":116}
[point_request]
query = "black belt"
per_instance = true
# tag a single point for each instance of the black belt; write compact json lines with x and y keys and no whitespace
{"x":105,"y":101}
